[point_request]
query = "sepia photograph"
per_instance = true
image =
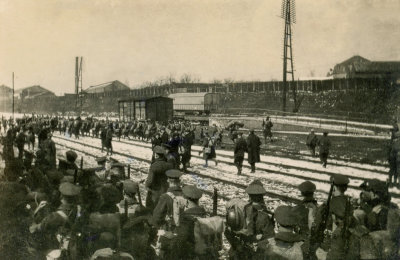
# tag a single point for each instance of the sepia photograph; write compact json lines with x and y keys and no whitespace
{"x":200,"y":129}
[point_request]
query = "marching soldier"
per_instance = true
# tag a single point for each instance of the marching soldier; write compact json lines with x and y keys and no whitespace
{"x":253,"y":150}
{"x":324,"y":147}
{"x":156,"y":182}
{"x":312,"y":141}
{"x":286,"y":243}
{"x":239,"y":150}
{"x":267,"y":125}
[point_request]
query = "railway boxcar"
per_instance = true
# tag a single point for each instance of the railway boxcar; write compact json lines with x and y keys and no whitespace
{"x":195,"y":103}
{"x":154,"y":108}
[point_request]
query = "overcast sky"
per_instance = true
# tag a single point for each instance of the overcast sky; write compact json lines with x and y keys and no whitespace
{"x":143,"y":40}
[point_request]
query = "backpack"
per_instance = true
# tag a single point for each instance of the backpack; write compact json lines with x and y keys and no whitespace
{"x":178,"y":207}
{"x":235,"y":215}
{"x":208,"y":235}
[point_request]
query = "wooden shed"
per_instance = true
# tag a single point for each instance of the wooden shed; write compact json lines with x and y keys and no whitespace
{"x":153,"y":108}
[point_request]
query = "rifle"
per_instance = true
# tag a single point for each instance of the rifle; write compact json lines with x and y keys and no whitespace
{"x":215,"y":201}
{"x":317,"y":231}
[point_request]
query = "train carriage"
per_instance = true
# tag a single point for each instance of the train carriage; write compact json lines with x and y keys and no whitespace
{"x":195,"y":103}
{"x":154,"y":108}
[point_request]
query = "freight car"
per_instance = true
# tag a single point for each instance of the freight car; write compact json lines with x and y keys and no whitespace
{"x":154,"y":108}
{"x":202,"y":103}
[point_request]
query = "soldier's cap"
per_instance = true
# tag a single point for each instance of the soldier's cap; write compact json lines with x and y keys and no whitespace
{"x":338,"y":206}
{"x":256,"y":188}
{"x":325,"y":132}
{"x":340,"y":180}
{"x":173,"y":174}
{"x":69,"y":179}
{"x":307,"y":187}
{"x":54,"y":175}
{"x":159,"y":150}
{"x":377,"y":186}
{"x":285,"y":216}
{"x":102,"y":159}
{"x":117,"y":165}
{"x":71,"y":155}
{"x":69,"y":189}
{"x":251,"y":130}
{"x":192,"y":192}
{"x":70,"y":172}
{"x":130,"y":186}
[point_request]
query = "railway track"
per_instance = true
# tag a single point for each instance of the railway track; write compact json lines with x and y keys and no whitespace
{"x":206,"y":180}
{"x":357,"y":174}
{"x":247,"y":178}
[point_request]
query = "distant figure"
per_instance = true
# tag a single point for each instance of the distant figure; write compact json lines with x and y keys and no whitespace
{"x":311,"y":142}
{"x":20,"y":142}
{"x":239,"y":151}
{"x":267,"y":129}
{"x":253,"y":150}
{"x":324,"y":145}
{"x":108,"y":141}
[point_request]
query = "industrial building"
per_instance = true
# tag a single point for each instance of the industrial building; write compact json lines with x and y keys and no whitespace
{"x":359,"y":67}
{"x":33,"y":92}
{"x":107,"y":87}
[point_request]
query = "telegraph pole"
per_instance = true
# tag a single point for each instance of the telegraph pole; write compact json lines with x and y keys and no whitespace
{"x":13,"y":97}
{"x":288,"y":13}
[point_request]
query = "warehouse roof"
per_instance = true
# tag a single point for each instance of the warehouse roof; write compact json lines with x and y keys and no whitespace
{"x":142,"y":98}
{"x":107,"y":87}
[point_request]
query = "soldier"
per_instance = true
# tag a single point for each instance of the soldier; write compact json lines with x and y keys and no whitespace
{"x":64,"y":165}
{"x":166,"y":215}
{"x":170,"y":157}
{"x":103,"y":136}
{"x":130,"y":189}
{"x":324,"y":146}
{"x":307,"y":209}
{"x":259,"y":225}
{"x":101,"y":171}
{"x":49,"y":148}
{"x":311,"y":142}
{"x":156,"y":182}
{"x":286,"y":244}
{"x":186,"y":148}
{"x":253,"y":150}
{"x":321,"y":232}
{"x":185,"y":232}
{"x":267,"y":126}
{"x":61,"y":222}
{"x":108,"y":139}
{"x":239,"y":150}
{"x":163,"y":212}
{"x":20,"y":142}
{"x":209,"y":150}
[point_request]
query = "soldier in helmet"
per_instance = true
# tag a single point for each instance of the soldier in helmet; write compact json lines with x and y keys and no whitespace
{"x":286,"y":243}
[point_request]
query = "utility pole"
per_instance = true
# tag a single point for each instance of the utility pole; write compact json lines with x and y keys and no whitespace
{"x":288,"y":13}
{"x":13,"y":97}
{"x":78,"y":84}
